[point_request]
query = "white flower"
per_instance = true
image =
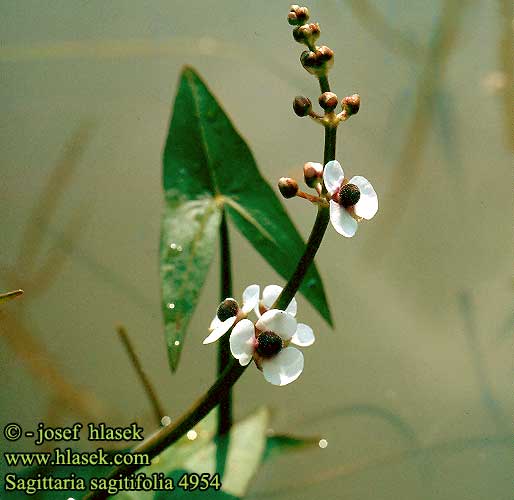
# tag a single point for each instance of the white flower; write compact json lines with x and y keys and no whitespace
{"x":229,"y":312}
{"x":269,"y":296}
{"x":268,"y":344}
{"x":350,"y":200}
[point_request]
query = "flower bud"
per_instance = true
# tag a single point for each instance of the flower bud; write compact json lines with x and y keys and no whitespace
{"x":328,"y":101}
{"x":227,"y":309}
{"x":288,"y":187}
{"x":319,"y":62}
{"x":298,"y":15}
{"x":302,"y":105}
{"x":312,"y":173}
{"x":351,"y":104}
{"x":307,"y":33}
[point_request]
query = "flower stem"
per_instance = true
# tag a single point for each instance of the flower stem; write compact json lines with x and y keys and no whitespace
{"x":320,"y":225}
{"x":323,"y":84}
{"x":225,"y":405}
{"x":166,"y":436}
{"x":313,"y":243}
{"x":224,"y":356}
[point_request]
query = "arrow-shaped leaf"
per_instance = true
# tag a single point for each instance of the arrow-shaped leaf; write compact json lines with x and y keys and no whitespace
{"x":207,"y":162}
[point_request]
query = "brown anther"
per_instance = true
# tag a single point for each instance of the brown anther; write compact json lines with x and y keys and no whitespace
{"x":349,"y":195}
{"x":227,"y":309}
{"x":268,"y":344}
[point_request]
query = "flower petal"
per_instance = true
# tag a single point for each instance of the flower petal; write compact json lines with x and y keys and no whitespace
{"x":279,"y":322}
{"x":220,"y":330}
{"x":214,"y":323}
{"x":333,"y":176}
{"x":271,"y":293}
{"x":304,"y":336}
{"x":250,"y":298}
{"x":242,"y":341}
{"x":283,"y":368}
{"x":342,"y":221}
{"x":367,"y":206}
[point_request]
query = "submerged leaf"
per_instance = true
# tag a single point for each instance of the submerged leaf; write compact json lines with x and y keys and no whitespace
{"x":206,"y":160}
{"x":244,"y":451}
{"x":283,"y":443}
{"x":4,"y":297}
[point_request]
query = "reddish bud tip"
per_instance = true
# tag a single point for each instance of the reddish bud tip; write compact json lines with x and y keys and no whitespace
{"x":302,"y":105}
{"x":328,"y":101}
{"x":318,"y":62}
{"x":288,"y":187}
{"x":351,"y":104}
{"x":312,"y":173}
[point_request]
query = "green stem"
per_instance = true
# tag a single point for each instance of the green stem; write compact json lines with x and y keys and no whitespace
{"x":323,"y":84}
{"x":313,"y":243}
{"x":224,"y":356}
{"x":329,"y":152}
{"x":320,"y":225}
{"x":165,"y":437}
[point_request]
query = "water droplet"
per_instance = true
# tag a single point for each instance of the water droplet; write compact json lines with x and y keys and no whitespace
{"x":323,"y":443}
{"x":165,"y":421}
{"x":171,"y":305}
{"x":191,"y":435}
{"x":175,"y":248}
{"x":177,"y":342}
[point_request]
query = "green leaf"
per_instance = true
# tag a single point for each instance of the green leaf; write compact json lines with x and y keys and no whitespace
{"x":188,"y":236}
{"x":205,"y":160}
{"x":244,"y":450}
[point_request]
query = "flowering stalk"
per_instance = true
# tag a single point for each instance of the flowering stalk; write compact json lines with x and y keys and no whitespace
{"x":219,"y":392}
{"x":225,"y":406}
{"x":224,"y":356}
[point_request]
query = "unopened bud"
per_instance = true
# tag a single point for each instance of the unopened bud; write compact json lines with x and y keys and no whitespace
{"x":319,"y":62}
{"x":227,"y":309}
{"x":351,"y":104}
{"x":298,"y":15}
{"x":288,"y":187}
{"x":292,"y":19}
{"x":302,"y":105}
{"x":307,"y":33}
{"x":328,"y":101}
{"x":312,"y":173}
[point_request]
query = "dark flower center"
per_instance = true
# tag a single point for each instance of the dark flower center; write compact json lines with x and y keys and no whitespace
{"x":268,"y":344}
{"x":349,"y":195}
{"x":227,"y":309}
